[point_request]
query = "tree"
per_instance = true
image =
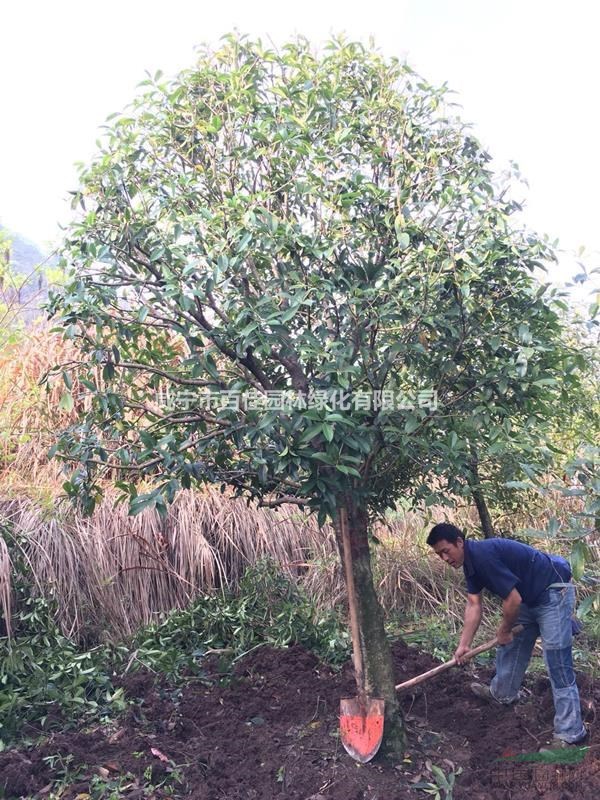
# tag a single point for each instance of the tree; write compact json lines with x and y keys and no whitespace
{"x":10,"y":286}
{"x":316,"y":233}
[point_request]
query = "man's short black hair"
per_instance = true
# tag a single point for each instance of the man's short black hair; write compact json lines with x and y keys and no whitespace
{"x":444,"y":530}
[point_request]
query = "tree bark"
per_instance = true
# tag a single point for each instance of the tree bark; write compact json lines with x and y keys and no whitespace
{"x":374,"y":646}
{"x":487,"y":526}
{"x":485,"y":519}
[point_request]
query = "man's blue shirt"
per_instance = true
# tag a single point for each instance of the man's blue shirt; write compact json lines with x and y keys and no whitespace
{"x":502,"y":565}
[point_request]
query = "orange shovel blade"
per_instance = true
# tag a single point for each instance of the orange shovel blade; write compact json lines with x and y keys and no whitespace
{"x":361,"y":727}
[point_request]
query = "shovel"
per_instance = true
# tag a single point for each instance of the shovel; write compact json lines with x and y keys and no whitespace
{"x":447,"y":664}
{"x":361,"y":717}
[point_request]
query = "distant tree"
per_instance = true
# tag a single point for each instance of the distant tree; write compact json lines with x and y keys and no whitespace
{"x":276,"y":222}
{"x":9,"y":287}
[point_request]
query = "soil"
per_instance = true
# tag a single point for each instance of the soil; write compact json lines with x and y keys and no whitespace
{"x":272,"y":733}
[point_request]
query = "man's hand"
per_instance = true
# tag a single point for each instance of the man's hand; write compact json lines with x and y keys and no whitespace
{"x":460,"y":652}
{"x":510,"y":613}
{"x":504,"y":635}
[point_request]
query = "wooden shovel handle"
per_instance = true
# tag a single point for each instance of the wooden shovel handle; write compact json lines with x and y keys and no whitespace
{"x":352,"y":602}
{"x":446,"y":665}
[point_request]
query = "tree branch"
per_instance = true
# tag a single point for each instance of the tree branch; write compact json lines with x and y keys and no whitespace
{"x":286,"y":500}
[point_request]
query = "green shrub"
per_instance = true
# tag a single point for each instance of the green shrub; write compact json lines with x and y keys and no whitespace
{"x":267,"y":609}
{"x":41,"y":670}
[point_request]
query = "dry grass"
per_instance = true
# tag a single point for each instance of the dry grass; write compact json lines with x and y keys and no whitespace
{"x":112,"y":573}
{"x":5,"y":593}
{"x":30,"y":413}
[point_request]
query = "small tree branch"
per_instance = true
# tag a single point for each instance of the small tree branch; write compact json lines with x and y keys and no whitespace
{"x":286,"y":500}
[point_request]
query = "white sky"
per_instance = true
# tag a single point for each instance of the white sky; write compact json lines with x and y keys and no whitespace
{"x":526,"y":74}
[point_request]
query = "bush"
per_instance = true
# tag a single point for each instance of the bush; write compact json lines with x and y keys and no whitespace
{"x":45,"y":679}
{"x":43,"y":676}
{"x":268,"y":608}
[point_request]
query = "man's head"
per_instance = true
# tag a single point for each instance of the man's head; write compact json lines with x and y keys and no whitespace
{"x":448,"y":541}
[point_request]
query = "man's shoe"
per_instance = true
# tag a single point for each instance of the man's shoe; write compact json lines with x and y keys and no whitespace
{"x":560,"y":744}
{"x":483,"y":692}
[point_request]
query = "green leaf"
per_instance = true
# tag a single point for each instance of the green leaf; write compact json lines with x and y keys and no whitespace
{"x":326,"y":459}
{"x":524,"y":333}
{"x":587,"y":604}
{"x":411,"y":424}
{"x":518,"y":485}
{"x":66,"y":402}
{"x":252,"y":326}
{"x":403,"y":241}
{"x":546,"y":382}
{"x":328,"y":431}
{"x":578,"y":559}
{"x":348,"y":470}
{"x":141,"y":502}
{"x":244,"y":241}
{"x":289,"y":314}
{"x":335,"y":417}
{"x":310,"y":433}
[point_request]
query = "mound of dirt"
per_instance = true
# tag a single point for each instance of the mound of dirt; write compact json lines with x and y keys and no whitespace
{"x":272,"y":733}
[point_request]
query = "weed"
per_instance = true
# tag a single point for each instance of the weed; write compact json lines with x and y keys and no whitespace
{"x":442,"y":785}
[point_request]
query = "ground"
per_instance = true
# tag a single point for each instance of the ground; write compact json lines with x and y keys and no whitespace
{"x":271,"y":733}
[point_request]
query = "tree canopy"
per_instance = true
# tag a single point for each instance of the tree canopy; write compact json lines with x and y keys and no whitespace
{"x":320,"y":225}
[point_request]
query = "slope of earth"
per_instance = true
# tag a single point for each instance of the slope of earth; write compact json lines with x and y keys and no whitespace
{"x":271,"y":733}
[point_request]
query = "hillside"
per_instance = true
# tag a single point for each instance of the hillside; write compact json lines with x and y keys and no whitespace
{"x":27,"y":262}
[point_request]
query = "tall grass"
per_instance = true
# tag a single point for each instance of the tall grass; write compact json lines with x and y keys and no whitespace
{"x":31,"y":413}
{"x":5,"y":587}
{"x":110,"y":574}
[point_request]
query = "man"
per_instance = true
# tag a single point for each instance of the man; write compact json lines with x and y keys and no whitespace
{"x":536,"y":592}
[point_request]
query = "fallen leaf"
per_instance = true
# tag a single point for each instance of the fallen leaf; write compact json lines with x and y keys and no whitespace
{"x":156,"y":752}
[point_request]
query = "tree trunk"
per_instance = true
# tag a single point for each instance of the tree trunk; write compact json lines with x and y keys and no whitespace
{"x":484,"y":515}
{"x":485,"y":518}
{"x":375,"y":649}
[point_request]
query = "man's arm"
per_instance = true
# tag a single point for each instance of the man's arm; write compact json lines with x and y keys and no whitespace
{"x":510,"y":611}
{"x":473,"y":611}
